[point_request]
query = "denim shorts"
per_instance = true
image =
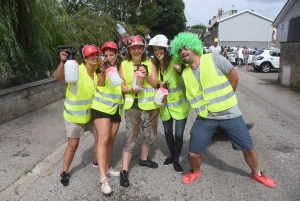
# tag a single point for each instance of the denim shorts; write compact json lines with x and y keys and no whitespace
{"x":203,"y":130}
{"x":245,"y":60}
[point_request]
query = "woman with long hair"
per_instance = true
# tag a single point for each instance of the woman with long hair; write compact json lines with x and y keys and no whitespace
{"x":176,"y":108}
{"x":106,"y":112}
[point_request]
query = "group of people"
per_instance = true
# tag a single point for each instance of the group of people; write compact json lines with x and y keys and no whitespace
{"x":205,"y":82}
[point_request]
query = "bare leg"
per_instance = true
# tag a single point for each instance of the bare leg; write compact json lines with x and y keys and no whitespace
{"x":104,"y":137}
{"x":195,"y":161}
{"x":69,"y":153}
{"x":251,"y":159}
{"x":126,"y":157}
{"x":94,"y":132}
{"x":114,"y":130}
{"x":145,"y":152}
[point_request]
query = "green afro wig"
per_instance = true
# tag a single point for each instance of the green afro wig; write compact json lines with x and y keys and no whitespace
{"x":189,"y":41}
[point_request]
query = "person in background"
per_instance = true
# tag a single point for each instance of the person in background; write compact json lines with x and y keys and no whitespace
{"x":215,"y":47}
{"x":106,"y":110}
{"x":236,"y":56}
{"x":175,"y":108}
{"x":205,"y":80}
{"x":246,"y":54}
{"x":79,"y":96}
{"x":140,"y":110}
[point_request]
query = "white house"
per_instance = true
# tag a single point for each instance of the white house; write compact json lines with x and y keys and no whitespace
{"x":245,"y":28}
{"x":288,"y":22}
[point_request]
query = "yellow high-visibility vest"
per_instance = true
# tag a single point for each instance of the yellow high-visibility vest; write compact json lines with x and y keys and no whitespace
{"x":216,"y":95}
{"x":146,"y":96}
{"x":108,"y":99}
{"x":77,"y":106}
{"x":176,"y":105}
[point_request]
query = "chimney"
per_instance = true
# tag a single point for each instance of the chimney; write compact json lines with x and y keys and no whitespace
{"x":220,"y":12}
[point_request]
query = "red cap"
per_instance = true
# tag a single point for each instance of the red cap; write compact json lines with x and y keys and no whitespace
{"x":109,"y":44}
{"x":89,"y":49}
{"x":135,"y":40}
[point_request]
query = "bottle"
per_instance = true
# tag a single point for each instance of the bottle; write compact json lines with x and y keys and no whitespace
{"x":71,"y":69}
{"x":113,"y":75}
{"x":121,"y":29}
{"x":160,"y":96}
{"x":138,"y":80}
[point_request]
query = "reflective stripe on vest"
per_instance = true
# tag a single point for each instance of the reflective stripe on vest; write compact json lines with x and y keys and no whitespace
{"x":78,"y":112}
{"x":78,"y":102}
{"x":175,"y":104}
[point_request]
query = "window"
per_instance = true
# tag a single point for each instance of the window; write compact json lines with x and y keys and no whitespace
{"x":273,"y":53}
{"x":258,"y":52}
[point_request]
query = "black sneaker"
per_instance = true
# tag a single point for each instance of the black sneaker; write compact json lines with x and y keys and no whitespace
{"x":168,"y":161}
{"x":124,"y":181}
{"x":65,"y":177}
{"x":177,"y":167}
{"x":148,"y":163}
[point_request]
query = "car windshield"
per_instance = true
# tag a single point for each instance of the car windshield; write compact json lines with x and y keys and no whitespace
{"x":258,"y":52}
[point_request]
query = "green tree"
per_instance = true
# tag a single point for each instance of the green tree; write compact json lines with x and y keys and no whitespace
{"x":171,"y":19}
{"x":30,"y":36}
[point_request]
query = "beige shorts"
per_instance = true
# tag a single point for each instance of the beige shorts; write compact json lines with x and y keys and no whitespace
{"x":74,"y":130}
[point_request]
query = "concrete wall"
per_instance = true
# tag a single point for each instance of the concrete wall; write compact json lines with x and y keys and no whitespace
{"x":245,"y":27}
{"x":18,"y":101}
{"x":289,"y":72}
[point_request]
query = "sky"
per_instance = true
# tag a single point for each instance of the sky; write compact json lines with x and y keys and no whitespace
{"x":201,"y":11}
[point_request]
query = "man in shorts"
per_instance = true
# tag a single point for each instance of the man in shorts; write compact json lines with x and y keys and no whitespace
{"x":246,"y":53}
{"x":210,"y":81}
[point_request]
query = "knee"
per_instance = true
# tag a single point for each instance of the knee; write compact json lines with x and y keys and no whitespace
{"x":72,"y":147}
{"x":249,"y":152}
{"x":194,"y":156}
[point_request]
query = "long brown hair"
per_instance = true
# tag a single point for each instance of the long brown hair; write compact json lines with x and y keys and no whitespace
{"x":166,"y":59}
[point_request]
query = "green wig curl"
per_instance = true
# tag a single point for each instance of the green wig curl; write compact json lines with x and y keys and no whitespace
{"x":189,"y":41}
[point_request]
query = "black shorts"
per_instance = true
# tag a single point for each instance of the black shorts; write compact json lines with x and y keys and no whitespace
{"x":98,"y":115}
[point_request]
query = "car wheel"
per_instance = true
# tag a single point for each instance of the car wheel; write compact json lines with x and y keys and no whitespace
{"x":240,"y":62}
{"x":265,"y":67}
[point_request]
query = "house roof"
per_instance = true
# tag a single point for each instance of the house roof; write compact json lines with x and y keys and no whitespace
{"x":197,"y":31}
{"x":285,"y":9}
{"x":245,"y":11}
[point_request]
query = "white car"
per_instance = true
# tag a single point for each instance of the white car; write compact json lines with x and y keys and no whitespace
{"x":265,"y":60}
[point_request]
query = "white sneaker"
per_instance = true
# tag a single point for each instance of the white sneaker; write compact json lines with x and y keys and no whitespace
{"x":105,"y":187}
{"x":112,"y":172}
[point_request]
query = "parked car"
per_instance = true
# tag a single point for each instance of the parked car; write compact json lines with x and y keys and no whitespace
{"x":265,"y":60}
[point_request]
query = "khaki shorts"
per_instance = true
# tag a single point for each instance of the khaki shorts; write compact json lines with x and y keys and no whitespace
{"x":137,"y":119}
{"x":74,"y":130}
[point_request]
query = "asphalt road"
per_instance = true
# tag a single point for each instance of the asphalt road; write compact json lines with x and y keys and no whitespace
{"x":35,"y":143}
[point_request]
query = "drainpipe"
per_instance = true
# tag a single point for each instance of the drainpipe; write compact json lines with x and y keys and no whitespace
{"x":268,"y":47}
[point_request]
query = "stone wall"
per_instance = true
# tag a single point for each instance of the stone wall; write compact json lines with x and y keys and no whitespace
{"x":289,"y":72}
{"x":21,"y":100}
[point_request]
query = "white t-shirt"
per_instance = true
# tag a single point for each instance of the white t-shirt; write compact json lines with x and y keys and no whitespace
{"x":215,"y":49}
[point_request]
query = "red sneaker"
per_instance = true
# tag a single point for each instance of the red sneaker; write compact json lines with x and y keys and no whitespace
{"x":190,"y":177}
{"x":263,"y":179}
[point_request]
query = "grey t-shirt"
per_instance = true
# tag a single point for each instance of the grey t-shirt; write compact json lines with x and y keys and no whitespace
{"x":223,"y":67}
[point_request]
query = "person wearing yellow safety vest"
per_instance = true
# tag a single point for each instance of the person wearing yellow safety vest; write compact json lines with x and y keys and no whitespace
{"x":79,"y":96}
{"x":140,"y":109}
{"x":210,"y":82}
{"x":106,"y":112}
{"x":176,"y":106}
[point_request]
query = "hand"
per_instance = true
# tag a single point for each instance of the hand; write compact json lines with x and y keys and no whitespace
{"x":177,"y":68}
{"x":63,"y":56}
